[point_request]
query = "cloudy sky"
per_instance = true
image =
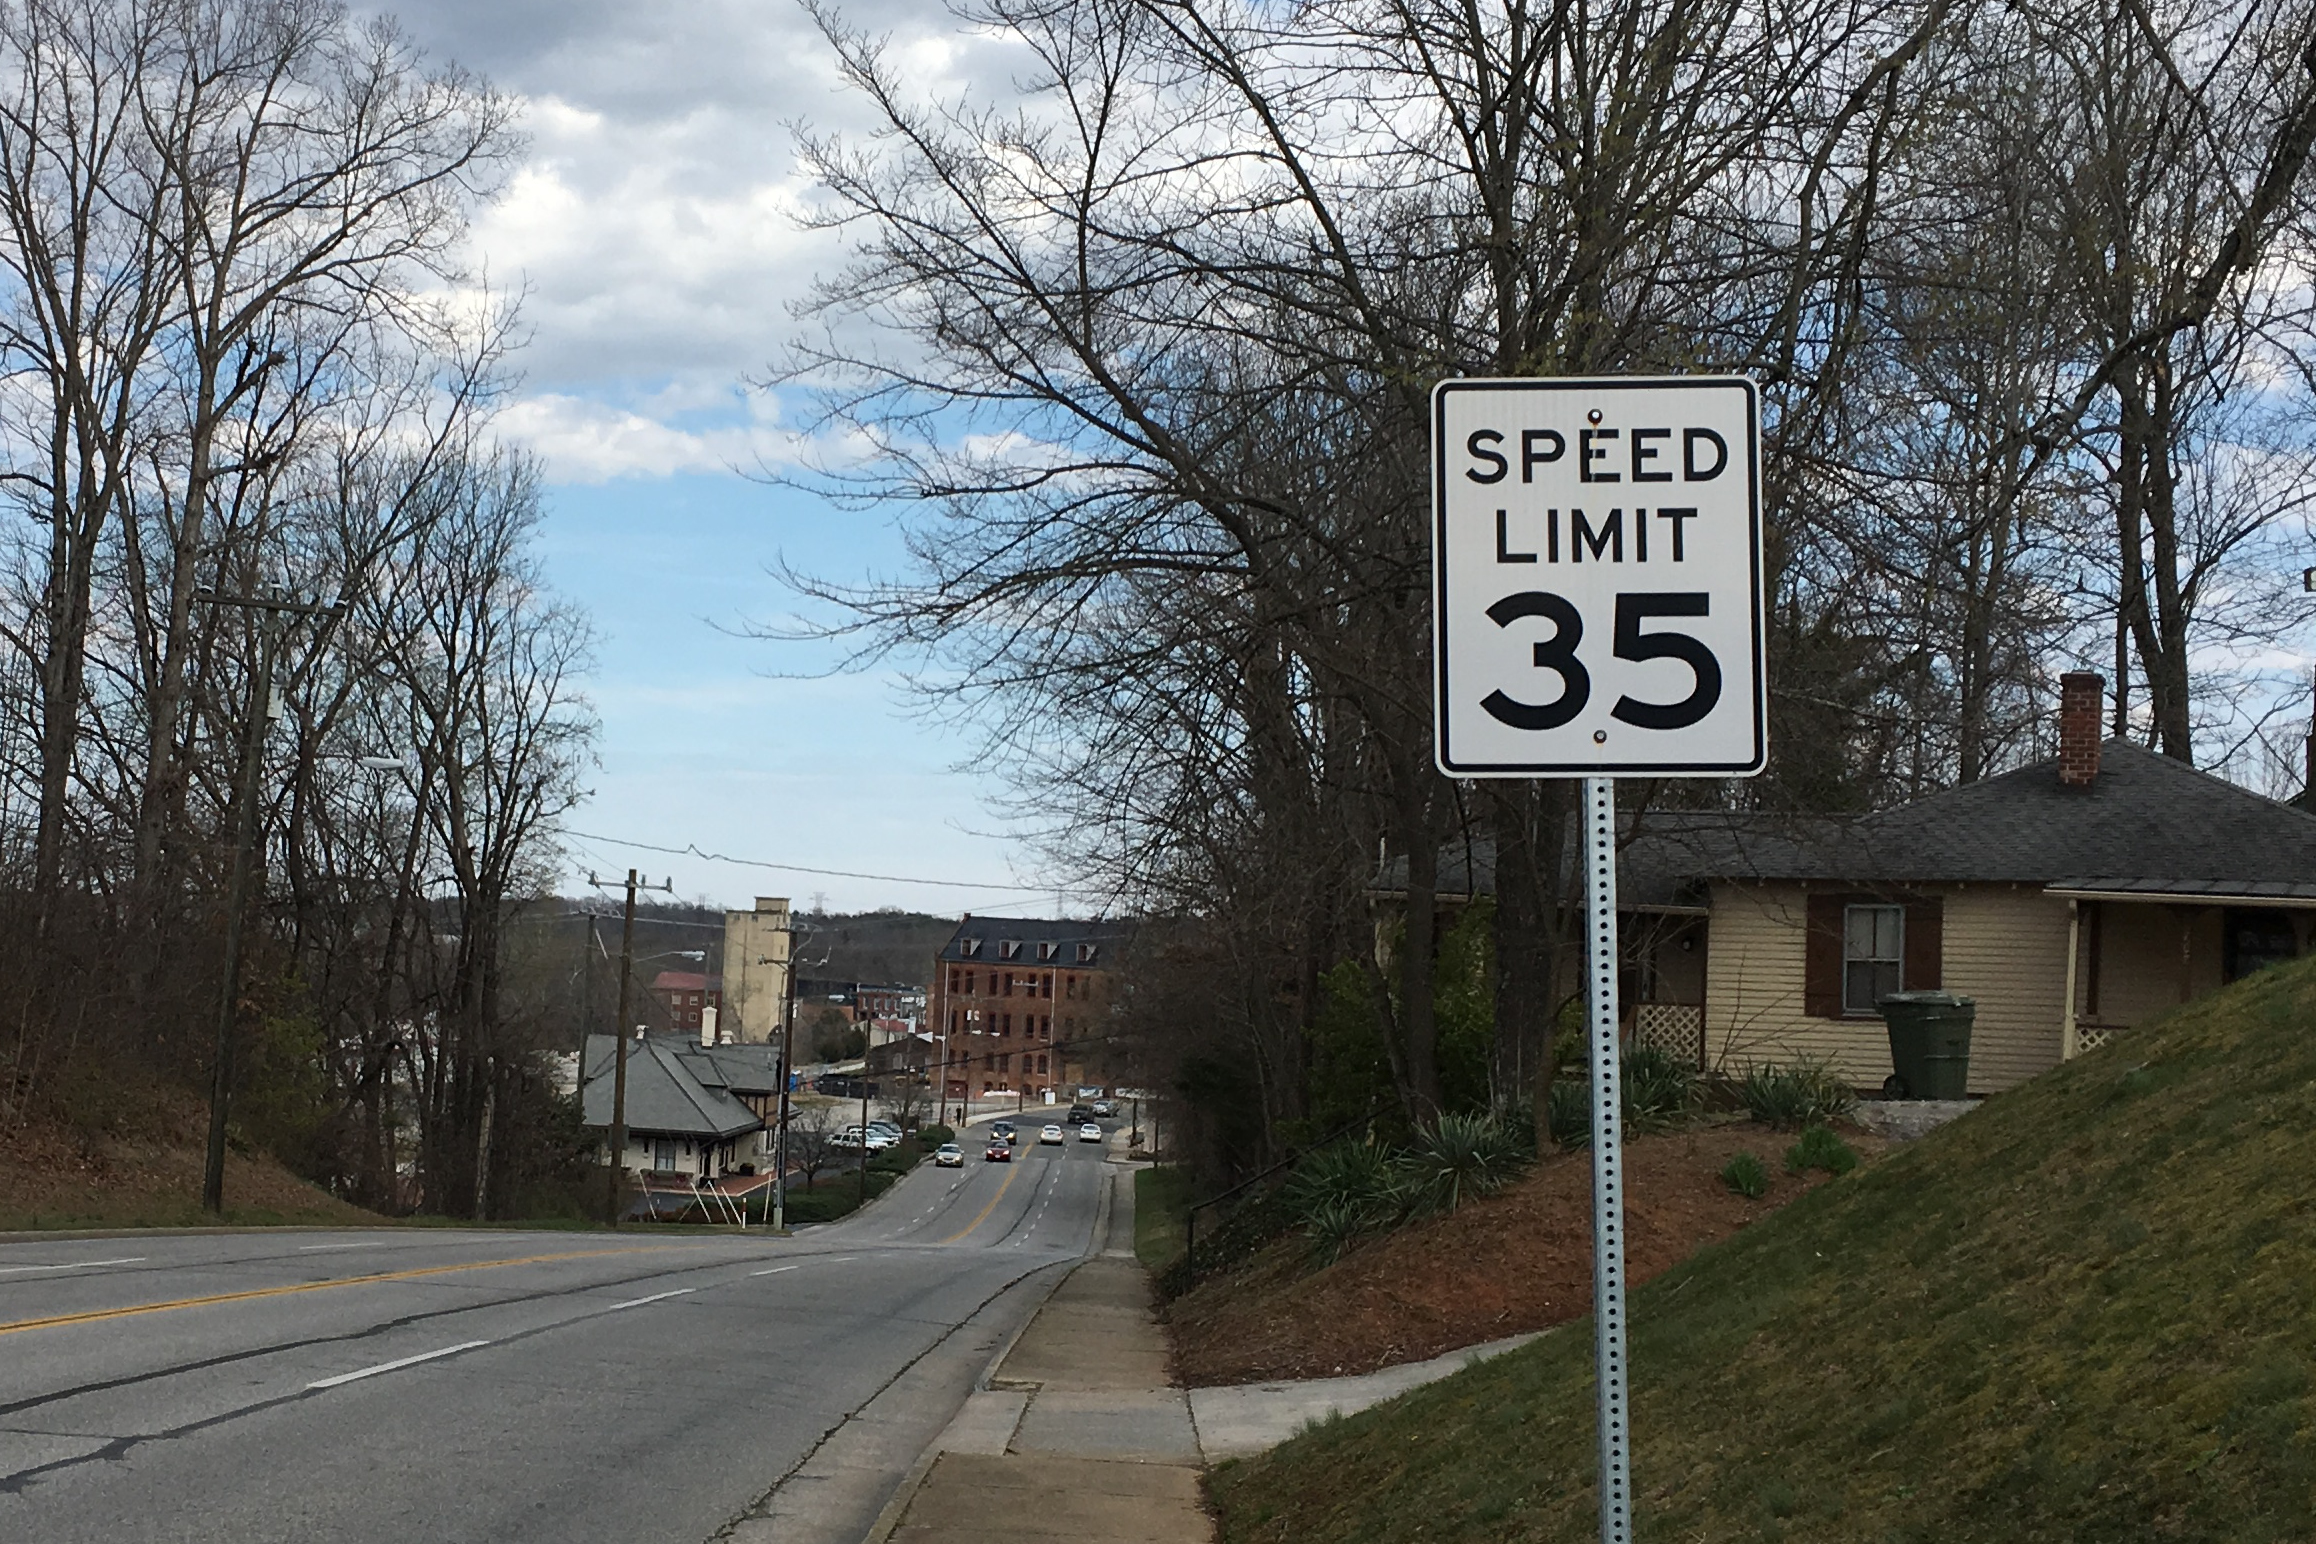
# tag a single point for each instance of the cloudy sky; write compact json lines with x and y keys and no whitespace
{"x":654,"y":232}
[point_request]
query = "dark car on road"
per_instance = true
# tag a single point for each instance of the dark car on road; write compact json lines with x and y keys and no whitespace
{"x":999,"y":1152}
{"x":1079,"y":1115}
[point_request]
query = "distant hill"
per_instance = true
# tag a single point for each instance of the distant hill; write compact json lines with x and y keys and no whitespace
{"x":888,"y":947}
{"x":2082,"y":1312}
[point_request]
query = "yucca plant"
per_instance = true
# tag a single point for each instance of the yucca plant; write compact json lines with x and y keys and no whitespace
{"x":1334,"y":1226}
{"x":1354,"y":1174}
{"x":1804,"y":1094}
{"x":1657,"y":1088}
{"x":1461,"y":1156}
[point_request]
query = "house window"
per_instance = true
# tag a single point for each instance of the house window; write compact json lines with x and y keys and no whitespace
{"x":1041,"y":1064}
{"x":1873,"y":948}
{"x":663,"y":1155}
{"x":1086,"y":953}
{"x":1048,"y":951}
{"x":969,"y":948}
{"x":1010,"y":949}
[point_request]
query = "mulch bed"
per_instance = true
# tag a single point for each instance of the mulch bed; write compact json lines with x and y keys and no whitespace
{"x":1517,"y":1261}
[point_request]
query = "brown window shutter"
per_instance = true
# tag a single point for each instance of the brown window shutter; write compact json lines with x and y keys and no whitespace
{"x":1821,"y":960}
{"x":1924,"y":970}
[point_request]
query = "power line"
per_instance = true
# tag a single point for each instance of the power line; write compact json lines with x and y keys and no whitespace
{"x":692,"y":850}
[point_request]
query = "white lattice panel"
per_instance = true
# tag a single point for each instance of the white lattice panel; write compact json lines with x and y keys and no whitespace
{"x":1677,"y":1029}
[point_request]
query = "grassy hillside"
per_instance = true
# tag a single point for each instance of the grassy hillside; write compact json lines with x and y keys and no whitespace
{"x":2086,"y":1312}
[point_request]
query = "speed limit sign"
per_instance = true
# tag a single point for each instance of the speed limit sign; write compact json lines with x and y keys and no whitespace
{"x":1596,"y":562}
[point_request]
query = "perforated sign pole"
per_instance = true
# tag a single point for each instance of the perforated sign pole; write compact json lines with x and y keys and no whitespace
{"x":1607,"y":1160}
{"x":1597,"y":611}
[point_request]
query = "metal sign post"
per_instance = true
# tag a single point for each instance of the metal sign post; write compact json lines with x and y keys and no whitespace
{"x":1607,"y":1159}
{"x":1596,"y":610}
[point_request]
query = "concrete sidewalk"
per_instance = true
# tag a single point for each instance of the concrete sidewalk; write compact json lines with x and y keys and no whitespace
{"x":1256,"y":1417}
{"x":1080,"y":1435}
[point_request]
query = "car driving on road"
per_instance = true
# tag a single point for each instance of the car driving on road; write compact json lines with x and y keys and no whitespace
{"x":1089,"y":1132}
{"x":949,"y":1156}
{"x":1002,"y":1131}
{"x":999,"y":1152}
{"x":1050,"y":1137}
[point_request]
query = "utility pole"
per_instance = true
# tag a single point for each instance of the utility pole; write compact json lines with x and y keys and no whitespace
{"x":619,"y":1076}
{"x":787,"y":1075}
{"x":273,"y":612}
{"x":864,"y":1120}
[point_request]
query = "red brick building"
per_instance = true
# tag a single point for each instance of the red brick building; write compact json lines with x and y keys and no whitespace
{"x":682,"y":994}
{"x":1019,"y":1004}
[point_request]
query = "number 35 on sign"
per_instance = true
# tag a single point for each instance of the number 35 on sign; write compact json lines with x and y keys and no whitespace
{"x":1596,"y":571}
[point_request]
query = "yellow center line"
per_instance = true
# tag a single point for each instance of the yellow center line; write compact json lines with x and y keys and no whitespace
{"x":312,"y":1286}
{"x":1010,"y":1171}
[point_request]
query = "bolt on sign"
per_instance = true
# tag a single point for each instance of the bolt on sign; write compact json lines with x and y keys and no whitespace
{"x":1596,"y":559}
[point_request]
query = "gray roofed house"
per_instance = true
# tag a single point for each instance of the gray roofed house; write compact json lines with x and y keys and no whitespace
{"x":2071,"y":898}
{"x":683,"y":1115}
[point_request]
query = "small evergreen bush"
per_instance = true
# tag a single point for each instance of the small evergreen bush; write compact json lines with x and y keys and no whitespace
{"x":1819,"y":1148}
{"x":1747,"y":1175}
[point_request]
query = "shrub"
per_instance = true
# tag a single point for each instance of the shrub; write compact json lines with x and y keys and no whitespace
{"x":1461,"y":1156}
{"x":1335,"y":1225}
{"x":1358,"y":1175}
{"x":1819,"y":1148}
{"x":1747,"y":1175}
{"x":1804,"y":1094}
{"x":930,"y":1137}
{"x":1657,"y":1088}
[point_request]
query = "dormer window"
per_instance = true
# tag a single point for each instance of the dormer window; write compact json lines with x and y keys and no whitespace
{"x":970,"y":948}
{"x":1048,"y":951}
{"x":1086,"y":953}
{"x":1010,"y":949}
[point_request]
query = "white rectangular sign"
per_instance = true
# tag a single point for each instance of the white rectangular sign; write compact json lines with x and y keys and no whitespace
{"x":1596,"y":570}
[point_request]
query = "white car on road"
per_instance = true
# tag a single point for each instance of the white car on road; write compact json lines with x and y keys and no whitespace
{"x":1050,"y":1137}
{"x":1089,"y":1132}
{"x":949,"y":1156}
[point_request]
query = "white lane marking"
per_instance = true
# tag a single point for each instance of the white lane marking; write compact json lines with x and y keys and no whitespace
{"x":774,"y":1271}
{"x":311,"y":1248}
{"x":76,"y":1265}
{"x":638,"y":1302}
{"x":408,"y":1361}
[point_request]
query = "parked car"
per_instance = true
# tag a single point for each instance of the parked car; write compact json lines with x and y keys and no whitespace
{"x":850,"y":1136}
{"x":1089,"y":1132}
{"x":1050,"y":1137}
{"x":999,"y":1152}
{"x":892,"y":1133}
{"x":949,"y":1156}
{"x":1105,"y":1109}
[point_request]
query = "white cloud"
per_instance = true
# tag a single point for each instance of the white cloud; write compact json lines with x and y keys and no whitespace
{"x":586,"y":440}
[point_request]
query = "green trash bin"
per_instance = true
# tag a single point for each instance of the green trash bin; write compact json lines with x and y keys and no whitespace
{"x":1929,"y":1044}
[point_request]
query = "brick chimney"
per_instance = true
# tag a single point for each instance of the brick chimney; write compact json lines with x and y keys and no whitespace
{"x":2082,"y":708}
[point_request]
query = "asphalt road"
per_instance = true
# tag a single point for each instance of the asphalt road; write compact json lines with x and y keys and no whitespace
{"x":413,"y":1385}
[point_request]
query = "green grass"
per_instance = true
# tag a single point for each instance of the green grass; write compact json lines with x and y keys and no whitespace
{"x":1161,"y":1196}
{"x":2087,"y":1312}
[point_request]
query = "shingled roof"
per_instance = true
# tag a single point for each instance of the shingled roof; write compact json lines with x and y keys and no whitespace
{"x":993,"y":933}
{"x":2145,"y":825}
{"x":665,"y":1092}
